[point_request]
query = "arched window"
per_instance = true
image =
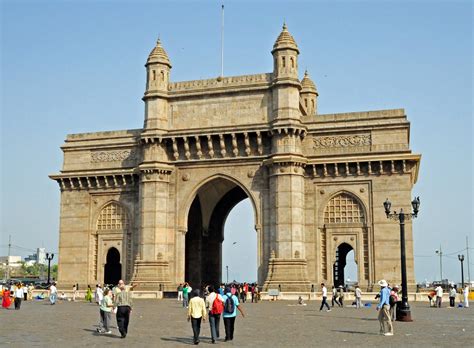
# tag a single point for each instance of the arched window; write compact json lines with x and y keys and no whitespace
{"x":292,"y":62}
{"x":154,"y":75}
{"x":343,"y":208}
{"x":306,"y":102}
{"x":162,"y":75}
{"x":283,"y":63}
{"x":112,"y":217}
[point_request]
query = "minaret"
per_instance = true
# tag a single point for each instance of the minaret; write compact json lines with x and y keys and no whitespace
{"x":309,"y":95}
{"x":158,"y":68}
{"x":286,"y":84}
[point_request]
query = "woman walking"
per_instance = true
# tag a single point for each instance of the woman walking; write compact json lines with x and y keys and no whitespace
{"x":196,"y":314}
{"x":215,"y":306}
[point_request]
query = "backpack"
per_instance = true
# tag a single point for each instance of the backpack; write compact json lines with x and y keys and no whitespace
{"x":391,"y":300}
{"x":217,"y":306}
{"x":229,"y":305}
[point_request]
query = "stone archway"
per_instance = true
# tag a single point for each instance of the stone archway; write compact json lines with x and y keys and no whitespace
{"x":205,"y":231}
{"x":113,"y":267}
{"x":339,"y":265}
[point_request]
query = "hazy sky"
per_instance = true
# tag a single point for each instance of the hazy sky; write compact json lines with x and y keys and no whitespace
{"x":77,"y":66}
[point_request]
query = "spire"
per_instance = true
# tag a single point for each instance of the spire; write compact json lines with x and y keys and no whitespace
{"x":285,"y":41}
{"x":158,"y":55}
{"x":307,"y":85}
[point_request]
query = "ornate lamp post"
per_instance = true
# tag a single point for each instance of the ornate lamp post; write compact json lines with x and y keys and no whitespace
{"x":49,"y":257}
{"x":403,"y":309}
{"x":461,"y":259}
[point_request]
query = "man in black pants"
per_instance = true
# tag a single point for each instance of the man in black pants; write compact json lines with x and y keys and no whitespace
{"x":123,"y":302}
{"x":230,"y":312}
{"x":325,"y":296}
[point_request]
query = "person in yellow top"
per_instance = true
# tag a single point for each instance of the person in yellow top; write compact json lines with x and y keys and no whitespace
{"x":196,"y":313}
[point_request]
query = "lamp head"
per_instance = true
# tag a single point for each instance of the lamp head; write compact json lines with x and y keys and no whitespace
{"x":416,"y":205}
{"x":387,"y":205}
{"x":461,"y":258}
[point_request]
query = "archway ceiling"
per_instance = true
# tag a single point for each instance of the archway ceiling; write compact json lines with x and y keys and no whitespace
{"x":209,"y":196}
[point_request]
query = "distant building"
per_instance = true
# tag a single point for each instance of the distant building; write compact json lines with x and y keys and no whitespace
{"x":39,"y":257}
{"x":12,"y":261}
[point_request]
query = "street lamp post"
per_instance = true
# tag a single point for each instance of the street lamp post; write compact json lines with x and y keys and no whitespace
{"x":440,"y":253}
{"x":461,"y":259}
{"x":403,"y":309}
{"x":227,"y":271}
{"x":49,"y":257}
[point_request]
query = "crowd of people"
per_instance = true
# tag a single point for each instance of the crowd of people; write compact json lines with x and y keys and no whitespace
{"x":213,"y":302}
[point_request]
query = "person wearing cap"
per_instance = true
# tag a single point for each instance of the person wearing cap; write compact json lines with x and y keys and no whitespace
{"x":229,"y":317}
{"x":385,"y":320}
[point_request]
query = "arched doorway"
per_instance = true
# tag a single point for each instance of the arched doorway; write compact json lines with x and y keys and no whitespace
{"x":339,"y":266}
{"x":113,"y":267}
{"x":205,"y":234}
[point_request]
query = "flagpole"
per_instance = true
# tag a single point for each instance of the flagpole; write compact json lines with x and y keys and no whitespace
{"x":222,"y":42}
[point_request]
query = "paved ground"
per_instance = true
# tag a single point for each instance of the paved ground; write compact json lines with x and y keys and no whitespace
{"x":267,"y":324}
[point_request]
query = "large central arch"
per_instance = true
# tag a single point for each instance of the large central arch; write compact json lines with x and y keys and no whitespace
{"x":207,"y":214}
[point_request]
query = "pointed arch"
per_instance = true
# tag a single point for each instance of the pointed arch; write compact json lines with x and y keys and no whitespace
{"x":112,"y":216}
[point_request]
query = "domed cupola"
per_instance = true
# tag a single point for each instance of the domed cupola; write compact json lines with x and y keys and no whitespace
{"x":285,"y":41}
{"x":158,"y":55}
{"x":308,"y":95}
{"x":285,"y":56}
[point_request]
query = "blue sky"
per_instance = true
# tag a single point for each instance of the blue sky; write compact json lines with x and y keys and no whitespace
{"x":71,"y":67}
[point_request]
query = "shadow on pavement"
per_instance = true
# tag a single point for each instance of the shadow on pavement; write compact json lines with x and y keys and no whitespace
{"x":95,"y":333}
{"x":185,"y":340}
{"x":356,"y":332}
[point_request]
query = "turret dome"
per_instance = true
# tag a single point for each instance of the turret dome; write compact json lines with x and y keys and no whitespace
{"x":307,"y":85}
{"x":158,"y":55}
{"x":285,"y":41}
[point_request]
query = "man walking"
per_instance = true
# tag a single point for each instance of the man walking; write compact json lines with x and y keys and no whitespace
{"x":180,"y":292}
{"x":231,"y":304}
{"x":325,"y":296}
{"x":123,"y":302}
{"x":18,"y":296}
{"x":439,"y":296}
{"x":215,"y":305}
{"x":358,"y":296}
{"x":53,"y":293}
{"x":383,"y":307}
{"x":196,"y":313}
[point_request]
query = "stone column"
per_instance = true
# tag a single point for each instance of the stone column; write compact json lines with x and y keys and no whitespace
{"x":152,"y":267}
{"x":287,"y":265}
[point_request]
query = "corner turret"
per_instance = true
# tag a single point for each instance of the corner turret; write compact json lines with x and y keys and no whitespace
{"x":285,"y":56}
{"x":308,"y":96}
{"x":158,"y":69}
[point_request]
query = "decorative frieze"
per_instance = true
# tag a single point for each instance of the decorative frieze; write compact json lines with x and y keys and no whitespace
{"x":341,"y":141}
{"x":358,"y":168}
{"x":113,"y":156}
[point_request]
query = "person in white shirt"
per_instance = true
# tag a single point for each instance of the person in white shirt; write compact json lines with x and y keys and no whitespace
{"x":53,"y":293}
{"x":358,"y":296}
{"x":325,"y":296}
{"x":99,"y":294}
{"x":439,"y":296}
{"x":25,"y":292}
{"x":465,"y":293}
{"x":18,"y":296}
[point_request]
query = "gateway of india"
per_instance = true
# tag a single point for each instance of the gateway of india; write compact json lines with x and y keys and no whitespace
{"x":149,"y":205}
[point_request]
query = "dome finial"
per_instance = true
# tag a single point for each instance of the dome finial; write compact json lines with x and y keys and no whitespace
{"x":306,"y":72}
{"x":284,"y":25}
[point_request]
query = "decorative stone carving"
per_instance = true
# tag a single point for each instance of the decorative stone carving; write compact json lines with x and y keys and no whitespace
{"x":186,"y":177}
{"x":342,"y":141}
{"x":250,"y":174}
{"x":113,"y":156}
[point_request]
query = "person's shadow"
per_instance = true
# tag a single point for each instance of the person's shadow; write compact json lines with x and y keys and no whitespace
{"x":184,"y":340}
{"x":95,"y":333}
{"x":356,"y":332}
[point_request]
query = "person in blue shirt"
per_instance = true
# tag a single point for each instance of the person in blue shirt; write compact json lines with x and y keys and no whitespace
{"x":229,"y":317}
{"x":383,"y":307}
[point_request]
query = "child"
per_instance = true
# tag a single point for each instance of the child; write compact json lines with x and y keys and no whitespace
{"x":106,"y":306}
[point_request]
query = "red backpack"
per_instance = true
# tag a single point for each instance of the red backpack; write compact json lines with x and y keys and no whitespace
{"x":217,"y":306}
